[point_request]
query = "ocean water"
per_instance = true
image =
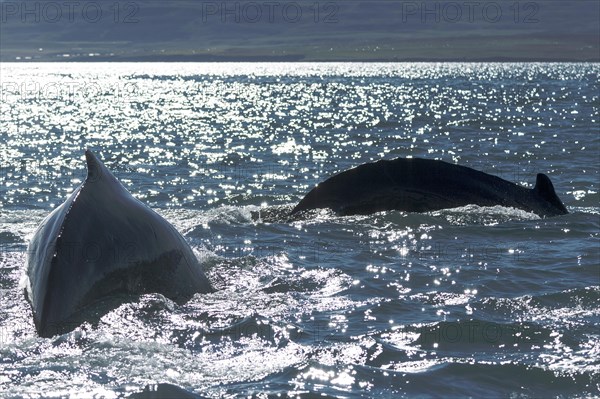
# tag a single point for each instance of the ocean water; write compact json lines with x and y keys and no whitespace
{"x":466,"y":302}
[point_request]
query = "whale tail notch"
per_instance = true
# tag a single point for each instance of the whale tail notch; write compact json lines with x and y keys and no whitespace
{"x":545,"y":189}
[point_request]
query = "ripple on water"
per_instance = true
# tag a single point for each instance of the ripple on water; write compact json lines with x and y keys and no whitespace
{"x":459,"y":302}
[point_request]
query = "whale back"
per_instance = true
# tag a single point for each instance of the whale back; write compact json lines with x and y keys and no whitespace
{"x":421,"y":185}
{"x":100,"y":244}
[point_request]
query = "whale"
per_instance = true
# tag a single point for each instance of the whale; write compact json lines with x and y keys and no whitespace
{"x":164,"y":391}
{"x":99,"y":248}
{"x":423,"y":185}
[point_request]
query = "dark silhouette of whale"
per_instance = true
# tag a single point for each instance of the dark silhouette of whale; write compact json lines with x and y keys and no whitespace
{"x":164,"y":391}
{"x":102,"y":244}
{"x":421,"y":185}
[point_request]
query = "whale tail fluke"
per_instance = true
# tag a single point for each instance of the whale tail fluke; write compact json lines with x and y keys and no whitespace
{"x":545,"y":189}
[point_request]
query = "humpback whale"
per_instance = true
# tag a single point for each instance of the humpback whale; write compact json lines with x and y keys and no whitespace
{"x":421,"y":185}
{"x":102,"y":244}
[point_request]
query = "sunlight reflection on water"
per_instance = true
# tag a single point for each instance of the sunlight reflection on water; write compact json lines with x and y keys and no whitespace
{"x":332,"y":305}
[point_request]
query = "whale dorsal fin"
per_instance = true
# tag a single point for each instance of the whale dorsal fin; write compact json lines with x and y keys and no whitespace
{"x":94,"y":166}
{"x":545,"y":189}
{"x":96,"y":171}
{"x":544,"y":186}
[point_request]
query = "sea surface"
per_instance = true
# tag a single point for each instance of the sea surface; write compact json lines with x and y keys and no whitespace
{"x":466,"y":302}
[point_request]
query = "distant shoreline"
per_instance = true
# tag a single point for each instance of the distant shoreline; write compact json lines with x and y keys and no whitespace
{"x":298,"y":59}
{"x":300,"y":31}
